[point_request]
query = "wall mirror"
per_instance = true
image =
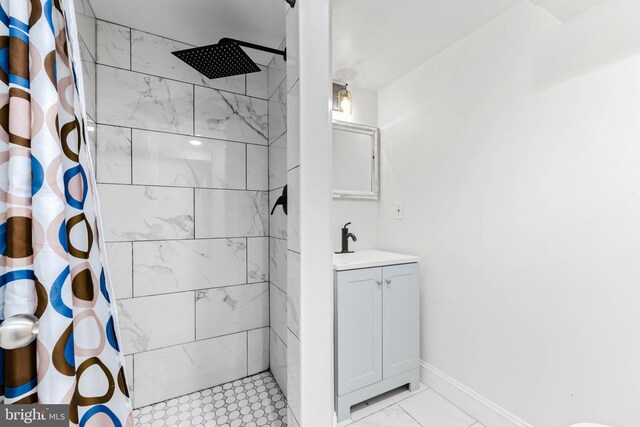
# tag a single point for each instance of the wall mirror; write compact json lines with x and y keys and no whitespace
{"x":356,"y":164}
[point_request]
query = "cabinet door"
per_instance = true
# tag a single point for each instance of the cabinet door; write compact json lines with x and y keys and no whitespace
{"x":358,"y":328}
{"x":401,"y":319}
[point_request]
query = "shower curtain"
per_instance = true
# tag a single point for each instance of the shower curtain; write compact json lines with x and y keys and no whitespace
{"x":52,"y":261}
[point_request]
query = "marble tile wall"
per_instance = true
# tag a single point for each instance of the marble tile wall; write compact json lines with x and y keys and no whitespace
{"x":277,"y":89}
{"x":86,"y":21}
{"x":183,"y":173}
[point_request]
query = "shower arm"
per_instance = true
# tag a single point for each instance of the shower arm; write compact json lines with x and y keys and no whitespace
{"x":255,"y":46}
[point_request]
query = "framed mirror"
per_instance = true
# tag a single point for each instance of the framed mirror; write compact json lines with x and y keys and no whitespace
{"x":356,"y":163}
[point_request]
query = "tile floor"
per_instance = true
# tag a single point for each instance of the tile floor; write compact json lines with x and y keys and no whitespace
{"x":250,"y":402}
{"x":257,"y":401}
{"x":401,"y":408}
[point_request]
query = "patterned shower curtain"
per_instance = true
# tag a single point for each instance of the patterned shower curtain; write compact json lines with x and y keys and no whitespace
{"x":52,"y":261}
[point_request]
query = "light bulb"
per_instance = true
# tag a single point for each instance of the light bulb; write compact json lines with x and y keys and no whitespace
{"x":195,"y":142}
{"x":344,"y":100}
{"x":345,"y":105}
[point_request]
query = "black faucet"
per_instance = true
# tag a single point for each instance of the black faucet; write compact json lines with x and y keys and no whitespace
{"x":345,"y":239}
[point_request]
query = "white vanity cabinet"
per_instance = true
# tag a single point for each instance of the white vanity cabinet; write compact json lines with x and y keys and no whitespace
{"x":377,"y":331}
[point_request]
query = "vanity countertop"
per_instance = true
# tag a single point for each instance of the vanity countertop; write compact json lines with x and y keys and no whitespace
{"x":370,"y":258}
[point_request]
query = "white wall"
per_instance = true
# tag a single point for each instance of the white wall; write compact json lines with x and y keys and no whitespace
{"x":363,"y":214}
{"x":315,"y":357}
{"x":517,"y":153}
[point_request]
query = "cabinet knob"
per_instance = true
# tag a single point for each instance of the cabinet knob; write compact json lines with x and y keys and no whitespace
{"x":379,"y":282}
{"x":388,"y":281}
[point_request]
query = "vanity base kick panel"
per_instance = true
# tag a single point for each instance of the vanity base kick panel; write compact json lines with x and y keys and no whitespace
{"x":344,"y":403}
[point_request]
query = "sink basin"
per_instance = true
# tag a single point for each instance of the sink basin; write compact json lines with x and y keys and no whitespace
{"x":370,"y":258}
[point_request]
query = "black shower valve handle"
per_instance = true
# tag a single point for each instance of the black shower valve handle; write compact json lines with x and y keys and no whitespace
{"x":282,"y":201}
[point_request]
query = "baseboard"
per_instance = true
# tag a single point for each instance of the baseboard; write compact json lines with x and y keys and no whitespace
{"x":480,"y":408}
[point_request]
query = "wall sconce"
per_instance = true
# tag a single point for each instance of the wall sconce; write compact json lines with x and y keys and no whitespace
{"x":342,"y":99}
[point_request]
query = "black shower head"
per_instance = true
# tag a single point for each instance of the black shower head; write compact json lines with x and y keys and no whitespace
{"x":219,"y":60}
{"x":224,"y":59}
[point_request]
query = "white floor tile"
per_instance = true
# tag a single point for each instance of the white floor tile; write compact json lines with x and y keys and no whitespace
{"x":393,"y":416}
{"x":251,"y":401}
{"x":431,"y":409}
{"x":385,"y":400}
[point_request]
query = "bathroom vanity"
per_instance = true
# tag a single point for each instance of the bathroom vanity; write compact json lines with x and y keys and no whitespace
{"x":377,"y":329}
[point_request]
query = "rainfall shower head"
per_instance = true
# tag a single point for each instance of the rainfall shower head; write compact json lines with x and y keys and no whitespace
{"x":224,"y":59}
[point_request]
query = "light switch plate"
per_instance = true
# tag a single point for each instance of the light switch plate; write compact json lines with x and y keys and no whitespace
{"x":399,"y":211}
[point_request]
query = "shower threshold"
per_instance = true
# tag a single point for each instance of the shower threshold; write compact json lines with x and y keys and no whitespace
{"x":252,"y":401}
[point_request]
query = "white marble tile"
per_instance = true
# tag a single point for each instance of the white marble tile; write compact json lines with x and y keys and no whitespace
{"x":128,"y":369}
{"x":182,"y":265}
{"x":257,"y":259}
{"x":146,"y":213}
{"x":293,"y":219}
{"x":154,"y":322}
{"x":89,"y":86}
{"x":231,"y":117}
{"x":183,"y":161}
{"x":278,"y":361}
{"x":278,"y":163}
{"x":257,"y":167}
{"x":429,"y":408}
{"x":86,"y":21}
{"x":88,"y":80}
{"x":145,"y":102}
{"x":293,"y":374}
{"x":229,"y":213}
{"x":175,"y":371}
{"x":83,"y":8}
{"x":257,"y":84}
{"x":277,"y":220}
{"x":114,"y":154}
{"x":258,"y":350}
{"x":293,"y":292}
{"x":293,"y":422}
{"x":223,"y":311}
{"x":278,"y":263}
{"x":293,"y":51}
{"x":293,"y":127}
{"x":278,"y":113}
{"x":393,"y":416}
{"x":380,"y":402}
{"x":114,"y":45}
{"x":277,"y":71}
{"x":278,"y":312}
{"x":152,"y":54}
{"x":120,"y":258}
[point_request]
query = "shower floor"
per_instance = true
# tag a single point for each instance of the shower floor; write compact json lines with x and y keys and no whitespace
{"x":252,"y":401}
